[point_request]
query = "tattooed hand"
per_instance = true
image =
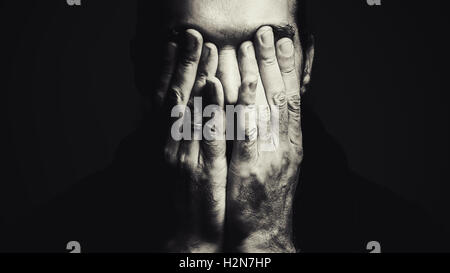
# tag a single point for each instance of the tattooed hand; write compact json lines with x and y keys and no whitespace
{"x":199,"y":167}
{"x":262,"y":181}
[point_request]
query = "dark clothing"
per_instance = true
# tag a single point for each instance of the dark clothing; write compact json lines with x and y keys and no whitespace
{"x":126,"y":208}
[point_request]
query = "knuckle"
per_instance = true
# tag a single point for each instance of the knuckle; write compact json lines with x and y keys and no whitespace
{"x":251,"y":134}
{"x":169,"y":157}
{"x":294,"y":103}
{"x":279,"y":99}
{"x":268,"y":59}
{"x":186,"y":163}
{"x":264,"y":115}
{"x":201,"y":79}
{"x":287,"y":157}
{"x":214,"y":149}
{"x":295,"y":117}
{"x":176,"y":95}
{"x":274,"y":169}
{"x":166,"y":73}
{"x":296,"y":141}
{"x":288,"y":68}
{"x":248,"y":150}
{"x":181,"y":161}
{"x":250,"y":82}
{"x":297,"y":154}
{"x":189,"y":60}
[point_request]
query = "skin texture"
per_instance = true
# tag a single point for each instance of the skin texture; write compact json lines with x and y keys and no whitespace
{"x":201,"y":165}
{"x":246,"y":205}
{"x":228,"y":24}
{"x":262,"y":183}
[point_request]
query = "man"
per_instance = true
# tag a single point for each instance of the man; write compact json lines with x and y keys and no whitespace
{"x":255,"y":191}
{"x":207,"y":195}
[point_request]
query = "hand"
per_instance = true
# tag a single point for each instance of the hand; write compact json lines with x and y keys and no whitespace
{"x":199,"y":167}
{"x":264,"y":168}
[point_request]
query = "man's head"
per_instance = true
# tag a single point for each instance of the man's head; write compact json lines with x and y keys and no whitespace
{"x":230,"y":22}
{"x":227,"y":24}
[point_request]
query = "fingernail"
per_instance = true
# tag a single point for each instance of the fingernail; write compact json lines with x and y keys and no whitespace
{"x":249,"y":50}
{"x":267,"y":38}
{"x":190,"y":42}
{"x":287,"y":48}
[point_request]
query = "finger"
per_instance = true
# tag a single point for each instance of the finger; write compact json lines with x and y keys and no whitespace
{"x":182,"y":83}
{"x":246,"y":148}
{"x":188,"y":154}
{"x":189,"y":147}
{"x":213,"y":148}
{"x":248,"y":68}
{"x":167,"y":72}
{"x":228,"y":74}
{"x":286,"y":61}
{"x":213,"y":145}
{"x":186,"y":71}
{"x":266,"y":139}
{"x":271,"y":77}
{"x":207,"y":69}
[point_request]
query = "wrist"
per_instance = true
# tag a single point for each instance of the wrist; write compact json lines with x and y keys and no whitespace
{"x":193,"y":246}
{"x":270,"y":241}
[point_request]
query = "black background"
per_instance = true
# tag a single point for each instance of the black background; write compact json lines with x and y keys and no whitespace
{"x":379,"y":86}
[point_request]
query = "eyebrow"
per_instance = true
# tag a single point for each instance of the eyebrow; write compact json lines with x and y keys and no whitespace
{"x":235,"y":37}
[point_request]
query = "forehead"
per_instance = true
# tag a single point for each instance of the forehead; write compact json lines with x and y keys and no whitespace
{"x":229,"y":21}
